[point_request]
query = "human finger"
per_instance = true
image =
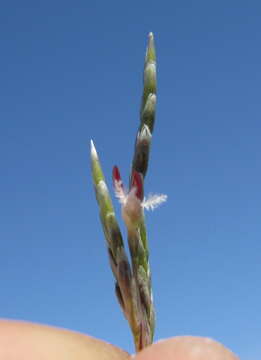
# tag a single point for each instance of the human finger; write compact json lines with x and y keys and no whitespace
{"x":23,"y":340}
{"x":186,"y":348}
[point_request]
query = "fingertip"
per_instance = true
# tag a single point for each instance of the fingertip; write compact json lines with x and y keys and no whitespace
{"x":186,"y":348}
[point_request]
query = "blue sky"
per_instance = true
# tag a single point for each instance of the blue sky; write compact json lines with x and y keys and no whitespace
{"x":72,"y":71}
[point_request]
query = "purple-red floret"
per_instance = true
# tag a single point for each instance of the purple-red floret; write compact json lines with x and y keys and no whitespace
{"x":137,"y":182}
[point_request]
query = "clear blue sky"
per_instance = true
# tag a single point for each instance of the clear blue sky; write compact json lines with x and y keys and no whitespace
{"x":71,"y":71}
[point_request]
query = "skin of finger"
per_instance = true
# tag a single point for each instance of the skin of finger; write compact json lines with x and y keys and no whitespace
{"x":186,"y":348}
{"x":28,"y":341}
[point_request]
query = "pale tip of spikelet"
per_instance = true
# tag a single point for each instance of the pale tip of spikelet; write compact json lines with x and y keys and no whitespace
{"x":151,"y":35}
{"x":152,"y":98}
{"x":93,"y":151}
{"x":102,"y":187}
{"x":144,"y":133}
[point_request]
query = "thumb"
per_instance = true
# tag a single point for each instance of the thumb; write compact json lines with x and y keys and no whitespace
{"x":186,"y":348}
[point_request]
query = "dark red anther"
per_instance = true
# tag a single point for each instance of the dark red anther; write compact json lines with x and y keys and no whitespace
{"x":137,"y":182}
{"x":116,"y":176}
{"x":116,"y":173}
